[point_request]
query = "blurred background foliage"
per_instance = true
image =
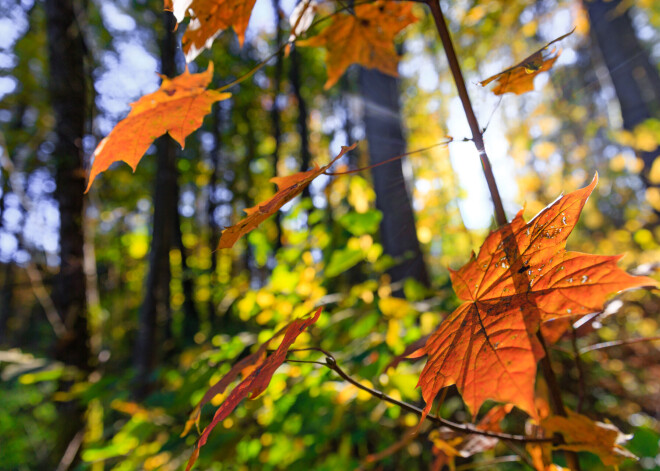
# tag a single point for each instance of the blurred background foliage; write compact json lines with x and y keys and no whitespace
{"x":323,"y":249}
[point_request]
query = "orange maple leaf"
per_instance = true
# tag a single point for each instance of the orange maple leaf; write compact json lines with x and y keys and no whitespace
{"x":583,"y":434}
{"x":209,"y":18}
{"x":243,"y":367}
{"x":522,"y":276}
{"x":365,"y":37}
{"x":448,"y":444}
{"x":288,"y":188}
{"x":519,"y":79}
{"x":177,"y":107}
{"x":257,"y":381}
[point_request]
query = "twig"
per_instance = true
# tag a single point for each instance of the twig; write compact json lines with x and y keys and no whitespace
{"x":580,"y":369}
{"x":416,"y":151}
{"x":556,"y":402}
{"x":331,"y":363}
{"x":71,"y":451}
{"x":616,"y":343}
{"x":477,"y":136}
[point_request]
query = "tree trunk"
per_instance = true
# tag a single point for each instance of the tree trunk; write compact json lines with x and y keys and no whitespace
{"x":191,"y":316}
{"x":303,"y":130}
{"x":382,"y":119}
{"x":635,"y":79}
{"x":155,"y":311}
{"x":7,"y":290}
{"x":68,"y":96}
{"x":275,"y":114}
{"x":214,"y":230}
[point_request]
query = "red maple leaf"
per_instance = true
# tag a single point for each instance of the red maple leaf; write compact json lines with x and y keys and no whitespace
{"x":522,"y":276}
{"x":257,"y":381}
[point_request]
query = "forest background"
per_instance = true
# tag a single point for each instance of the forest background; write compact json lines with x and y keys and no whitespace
{"x":373,"y":248}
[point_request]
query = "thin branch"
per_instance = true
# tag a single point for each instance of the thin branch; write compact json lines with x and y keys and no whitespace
{"x":331,"y":363}
{"x":348,"y":172}
{"x":279,"y":50}
{"x":477,"y":136}
{"x":616,"y":343}
{"x":556,"y":402}
{"x":71,"y":451}
{"x":580,"y":369}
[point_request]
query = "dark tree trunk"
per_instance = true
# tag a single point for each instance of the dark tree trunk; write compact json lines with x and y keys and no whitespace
{"x":275,"y":114}
{"x":6,"y":296}
{"x":68,"y":96}
{"x":635,"y":79}
{"x":214,"y":236}
{"x":303,"y":130}
{"x":382,"y":119}
{"x":7,"y":291}
{"x":155,"y":312}
{"x":191,"y":316}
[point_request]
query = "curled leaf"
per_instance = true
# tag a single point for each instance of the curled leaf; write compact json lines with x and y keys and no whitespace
{"x":519,"y":79}
{"x":244,"y":365}
{"x":288,"y":188}
{"x":209,"y":18}
{"x":364,"y":37}
{"x":177,"y":107}
{"x":256,"y":382}
{"x":583,"y":434}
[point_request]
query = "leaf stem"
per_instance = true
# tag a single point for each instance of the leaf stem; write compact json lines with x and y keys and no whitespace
{"x":580,"y":369}
{"x":616,"y":343}
{"x":416,"y":151}
{"x":331,"y":363}
{"x":556,"y":402}
{"x":477,"y":136}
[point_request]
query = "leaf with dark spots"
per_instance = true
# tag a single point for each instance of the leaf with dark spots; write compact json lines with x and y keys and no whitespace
{"x":522,"y":277}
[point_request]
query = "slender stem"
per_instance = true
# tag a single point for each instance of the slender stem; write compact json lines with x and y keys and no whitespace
{"x":580,"y":369}
{"x":347,"y":172}
{"x":487,"y":464}
{"x":616,"y":343}
{"x":331,"y":363}
{"x":477,"y":136}
{"x":556,"y":402}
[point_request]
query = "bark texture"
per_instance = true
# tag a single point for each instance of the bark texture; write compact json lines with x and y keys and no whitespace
{"x":635,"y":78}
{"x":155,"y":313}
{"x":68,"y":96}
{"x":382,"y":119}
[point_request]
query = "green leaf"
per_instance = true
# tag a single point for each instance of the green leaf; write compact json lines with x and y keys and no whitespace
{"x":342,"y":260}
{"x":361,"y":223}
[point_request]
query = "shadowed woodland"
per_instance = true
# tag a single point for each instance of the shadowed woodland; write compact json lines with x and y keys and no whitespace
{"x":391,"y":157}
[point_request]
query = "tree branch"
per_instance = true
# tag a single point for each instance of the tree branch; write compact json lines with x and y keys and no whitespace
{"x":331,"y":363}
{"x":556,"y":402}
{"x":477,"y":136}
{"x":616,"y":343}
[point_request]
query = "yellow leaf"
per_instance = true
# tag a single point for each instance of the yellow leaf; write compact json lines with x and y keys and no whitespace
{"x":583,"y":434}
{"x":519,"y":79}
{"x":365,"y":37}
{"x":177,"y":107}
